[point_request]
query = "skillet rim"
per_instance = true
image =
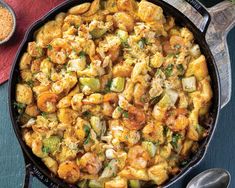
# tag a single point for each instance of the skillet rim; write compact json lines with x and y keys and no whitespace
{"x":200,"y":38}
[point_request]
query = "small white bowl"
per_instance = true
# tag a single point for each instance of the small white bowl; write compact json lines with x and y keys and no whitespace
{"x":5,"y":5}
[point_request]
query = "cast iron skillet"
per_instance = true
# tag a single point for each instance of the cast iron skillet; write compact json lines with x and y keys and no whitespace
{"x":34,"y":165}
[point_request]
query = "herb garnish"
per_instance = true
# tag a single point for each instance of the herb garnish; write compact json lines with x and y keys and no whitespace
{"x":142,"y":42}
{"x":49,"y":47}
{"x":19,"y":106}
{"x":169,"y":69}
{"x":125,"y":114}
{"x":175,"y":139}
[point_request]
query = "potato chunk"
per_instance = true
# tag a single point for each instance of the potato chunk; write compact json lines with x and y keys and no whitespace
{"x":149,"y":12}
{"x":25,"y":61}
{"x":198,"y":68}
{"x":67,"y":115}
{"x":24,"y":94}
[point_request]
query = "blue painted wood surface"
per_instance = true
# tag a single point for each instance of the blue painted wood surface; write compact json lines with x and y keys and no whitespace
{"x":221,"y":152}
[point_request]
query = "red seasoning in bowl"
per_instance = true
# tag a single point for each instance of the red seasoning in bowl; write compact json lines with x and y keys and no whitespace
{"x":6,"y":23}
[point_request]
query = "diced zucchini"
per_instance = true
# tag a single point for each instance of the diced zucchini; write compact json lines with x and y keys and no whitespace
{"x":110,"y":170}
{"x":83,"y":184}
{"x":117,"y":84}
{"x":92,"y":83}
{"x":97,"y":33}
{"x":165,"y":101}
{"x":169,"y":99}
{"x":51,"y":143}
{"x":95,"y":184}
{"x":123,"y":35}
{"x":189,"y":84}
{"x":134,"y":184}
{"x":96,"y":124}
{"x":150,"y":148}
{"x":173,"y":96}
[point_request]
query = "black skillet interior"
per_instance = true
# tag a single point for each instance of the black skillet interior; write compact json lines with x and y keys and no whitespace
{"x":44,"y":174}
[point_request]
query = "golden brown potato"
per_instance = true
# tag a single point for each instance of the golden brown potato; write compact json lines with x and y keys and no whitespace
{"x":32,"y":110}
{"x":124,"y":21}
{"x":132,"y":173}
{"x":69,"y":171}
{"x":34,"y":50}
{"x":25,"y":61}
{"x":51,"y":164}
{"x":122,"y":70}
{"x":80,"y":9}
{"x":26,"y":75}
{"x":95,"y":6}
{"x":48,"y":32}
{"x":116,"y":183}
{"x":24,"y":94}
{"x":126,"y":5}
{"x":158,"y":173}
{"x":67,"y":115}
{"x":198,"y":68}
{"x":149,"y":12}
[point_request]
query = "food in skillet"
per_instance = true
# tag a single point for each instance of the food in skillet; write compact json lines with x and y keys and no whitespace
{"x":113,"y":94}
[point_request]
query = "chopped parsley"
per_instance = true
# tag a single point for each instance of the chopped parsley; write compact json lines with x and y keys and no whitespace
{"x":19,"y":106}
{"x":86,"y":114}
{"x":30,"y":83}
{"x":119,"y":109}
{"x":45,"y":149}
{"x":180,"y":68}
{"x":87,"y":129}
{"x":125,"y":114}
{"x":82,"y":54}
{"x":49,"y":47}
{"x":175,"y":139}
{"x":44,"y":114}
{"x":125,"y":44}
{"x":87,"y":139}
{"x":107,"y":86}
{"x":142,"y":42}
{"x":169,"y":69}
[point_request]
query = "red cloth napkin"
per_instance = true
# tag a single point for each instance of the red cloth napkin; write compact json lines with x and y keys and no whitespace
{"x":27,"y":11}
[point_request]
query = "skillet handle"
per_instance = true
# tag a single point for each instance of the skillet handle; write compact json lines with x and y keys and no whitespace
{"x":28,"y":174}
{"x":205,"y":14}
{"x":223,"y":20}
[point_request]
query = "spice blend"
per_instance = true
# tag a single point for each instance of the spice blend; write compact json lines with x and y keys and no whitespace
{"x":6,"y":23}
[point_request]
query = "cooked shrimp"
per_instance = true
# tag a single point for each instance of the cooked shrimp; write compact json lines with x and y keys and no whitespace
{"x":153,"y":132}
{"x":111,"y":97}
{"x":47,"y":102}
{"x":138,"y":157}
{"x":177,"y":120}
{"x":57,"y":52}
{"x":72,"y":20}
{"x":135,"y":120}
{"x":69,"y":171}
{"x":90,"y":163}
